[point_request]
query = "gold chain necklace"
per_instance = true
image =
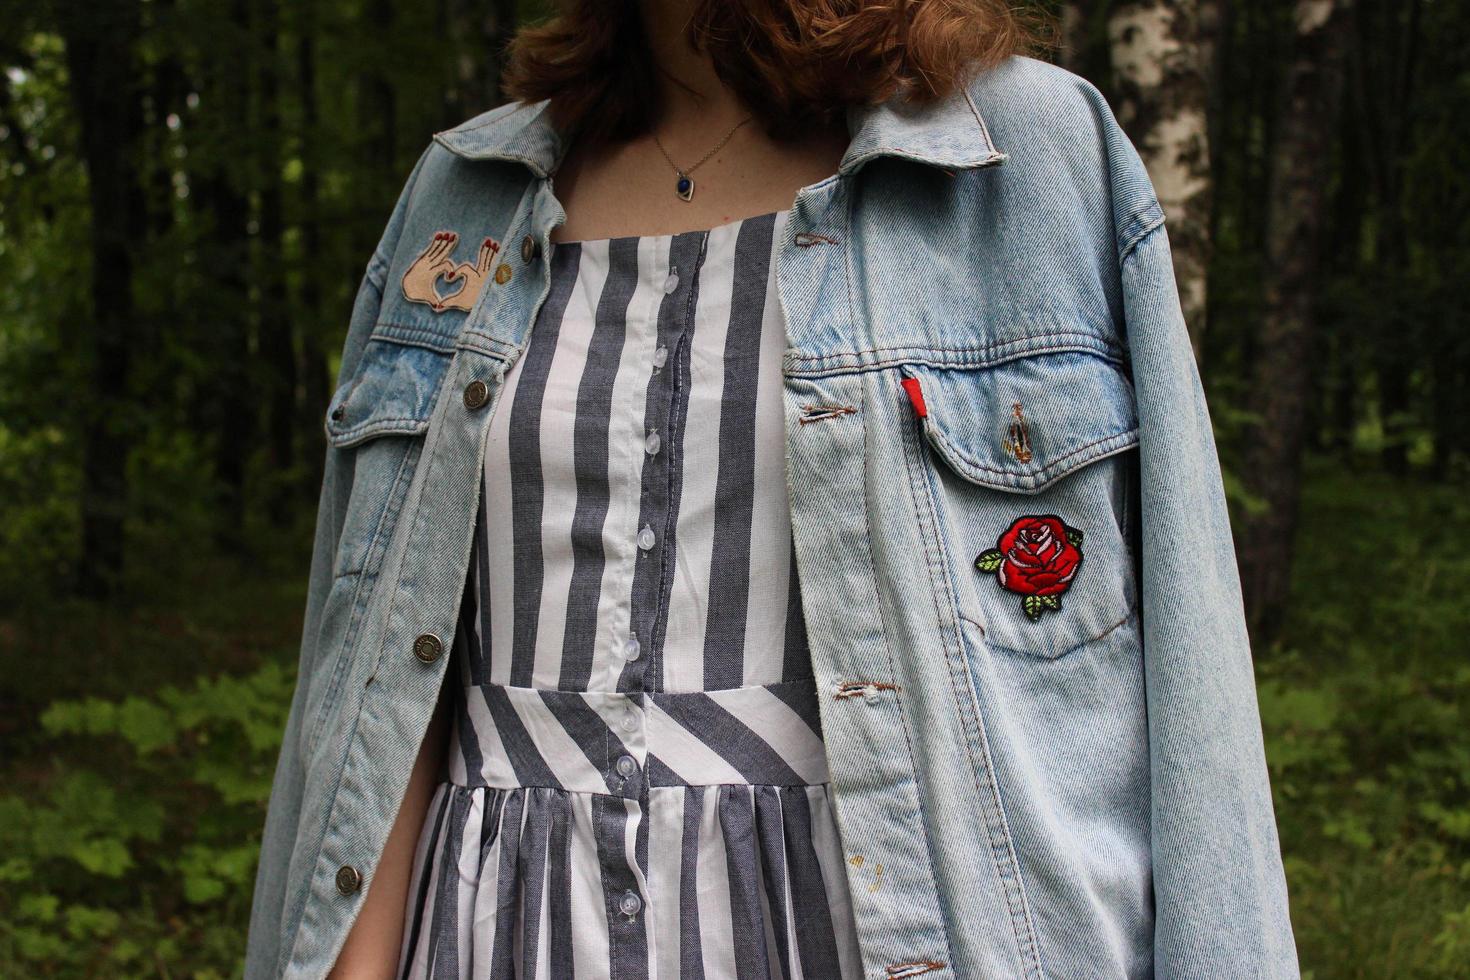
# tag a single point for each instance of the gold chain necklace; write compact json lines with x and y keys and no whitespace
{"x":684,"y":184}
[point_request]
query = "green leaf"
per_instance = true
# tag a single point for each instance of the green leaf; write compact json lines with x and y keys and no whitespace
{"x":1033,"y":604}
{"x":1052,"y":601}
{"x":989,"y":560}
{"x":1074,"y":535}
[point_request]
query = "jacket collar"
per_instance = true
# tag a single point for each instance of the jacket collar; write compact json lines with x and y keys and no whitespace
{"x":950,"y":134}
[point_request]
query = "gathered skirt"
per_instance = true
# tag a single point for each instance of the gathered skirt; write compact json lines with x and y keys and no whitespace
{"x":690,"y":868}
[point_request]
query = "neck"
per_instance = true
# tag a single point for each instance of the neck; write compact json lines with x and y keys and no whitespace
{"x":693,"y":97}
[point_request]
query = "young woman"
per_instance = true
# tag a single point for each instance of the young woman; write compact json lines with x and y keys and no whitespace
{"x":772,"y":528}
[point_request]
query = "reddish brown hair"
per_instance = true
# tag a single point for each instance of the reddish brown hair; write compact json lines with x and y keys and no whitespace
{"x":794,"y":62}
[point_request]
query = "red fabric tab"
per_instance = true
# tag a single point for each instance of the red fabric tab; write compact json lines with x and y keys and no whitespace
{"x":916,"y":397}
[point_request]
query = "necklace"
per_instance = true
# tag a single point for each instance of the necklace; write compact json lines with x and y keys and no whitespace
{"x":684,"y":184}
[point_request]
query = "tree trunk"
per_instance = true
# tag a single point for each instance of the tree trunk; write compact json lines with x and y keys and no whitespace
{"x":479,"y":31}
{"x":1162,"y":60}
{"x":1384,"y":77}
{"x":101,"y":64}
{"x":1082,"y":40}
{"x":1283,"y":368}
{"x":228,"y":405}
{"x":277,"y":334}
{"x":316,"y":380}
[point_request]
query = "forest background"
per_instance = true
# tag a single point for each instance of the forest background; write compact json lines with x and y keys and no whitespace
{"x":189,"y":190}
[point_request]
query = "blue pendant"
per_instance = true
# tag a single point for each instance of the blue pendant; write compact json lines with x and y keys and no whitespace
{"x":685,"y":187}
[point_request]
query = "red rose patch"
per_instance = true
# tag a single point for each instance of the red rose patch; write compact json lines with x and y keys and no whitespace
{"x":1036,"y":557}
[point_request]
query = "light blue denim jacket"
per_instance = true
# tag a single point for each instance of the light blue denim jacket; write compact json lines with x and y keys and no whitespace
{"x":982,"y":326}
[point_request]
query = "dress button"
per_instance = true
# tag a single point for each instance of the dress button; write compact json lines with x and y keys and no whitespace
{"x":349,"y":879}
{"x":630,"y":903}
{"x":476,"y":394}
{"x":629,"y":720}
{"x":646,"y":538}
{"x":660,"y":357}
{"x":627,"y":766}
{"x":530,"y":248}
{"x":671,"y":283}
{"x":631,"y":648}
{"x":428,"y":648}
{"x":652,"y":443}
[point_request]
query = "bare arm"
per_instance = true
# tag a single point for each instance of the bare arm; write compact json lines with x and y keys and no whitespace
{"x":372,"y":947}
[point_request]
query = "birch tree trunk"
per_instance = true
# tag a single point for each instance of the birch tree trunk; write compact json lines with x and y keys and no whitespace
{"x":1161,"y":58}
{"x":1284,"y":369}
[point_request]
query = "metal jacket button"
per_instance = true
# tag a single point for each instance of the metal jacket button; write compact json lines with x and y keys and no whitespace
{"x":428,"y":648}
{"x":476,"y":393}
{"x":349,"y":879}
{"x":530,"y":248}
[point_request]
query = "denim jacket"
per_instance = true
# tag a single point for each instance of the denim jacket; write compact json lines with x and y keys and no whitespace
{"x":1017,"y":572}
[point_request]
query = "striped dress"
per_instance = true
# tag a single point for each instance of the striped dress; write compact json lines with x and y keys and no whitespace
{"x":637,"y":786}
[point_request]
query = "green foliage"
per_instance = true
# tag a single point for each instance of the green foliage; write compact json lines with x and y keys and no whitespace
{"x":133,"y":850}
{"x":1363,"y":710}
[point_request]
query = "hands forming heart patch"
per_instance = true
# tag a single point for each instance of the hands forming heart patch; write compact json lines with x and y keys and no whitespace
{"x":435,"y":264}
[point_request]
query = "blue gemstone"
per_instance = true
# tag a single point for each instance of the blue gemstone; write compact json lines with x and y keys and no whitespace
{"x":683,"y":184}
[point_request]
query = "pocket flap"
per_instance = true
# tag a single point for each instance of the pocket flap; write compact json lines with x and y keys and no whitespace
{"x":1022,"y":424}
{"x":392,"y":391}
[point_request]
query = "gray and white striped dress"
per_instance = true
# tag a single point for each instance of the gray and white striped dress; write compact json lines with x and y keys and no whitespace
{"x":637,"y":783}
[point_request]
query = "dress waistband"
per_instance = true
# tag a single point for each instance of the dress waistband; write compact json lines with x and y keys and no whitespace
{"x":622,"y":743}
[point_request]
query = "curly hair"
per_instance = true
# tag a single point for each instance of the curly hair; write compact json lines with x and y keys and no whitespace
{"x":794,"y":62}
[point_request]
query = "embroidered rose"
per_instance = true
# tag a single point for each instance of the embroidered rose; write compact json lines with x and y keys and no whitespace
{"x":1036,"y":557}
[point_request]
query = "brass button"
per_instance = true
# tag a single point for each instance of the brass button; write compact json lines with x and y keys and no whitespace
{"x":476,"y":394}
{"x":502,"y":273}
{"x":349,"y":879}
{"x":428,"y":648}
{"x":530,"y":248}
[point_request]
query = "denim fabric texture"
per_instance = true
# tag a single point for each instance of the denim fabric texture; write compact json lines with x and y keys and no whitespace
{"x":1080,"y":794}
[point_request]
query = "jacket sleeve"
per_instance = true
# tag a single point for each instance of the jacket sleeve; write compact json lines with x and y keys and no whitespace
{"x":277,"y":902}
{"x":1219,"y":890}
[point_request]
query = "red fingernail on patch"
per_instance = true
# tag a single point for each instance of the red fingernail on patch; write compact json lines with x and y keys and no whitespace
{"x":916,"y":397}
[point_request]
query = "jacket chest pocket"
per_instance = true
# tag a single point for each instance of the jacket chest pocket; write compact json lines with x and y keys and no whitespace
{"x":380,"y":416}
{"x":376,"y":423}
{"x":1034,"y":480}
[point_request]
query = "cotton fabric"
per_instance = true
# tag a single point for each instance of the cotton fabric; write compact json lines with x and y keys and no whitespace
{"x":637,"y":782}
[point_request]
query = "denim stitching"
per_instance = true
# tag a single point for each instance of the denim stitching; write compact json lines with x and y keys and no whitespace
{"x":980,"y":121}
{"x":971,"y":358}
{"x":1146,"y":225}
{"x":1133,"y":609}
{"x":348,"y":437}
{"x":412,"y":335}
{"x":375,"y":547}
{"x":1002,"y":853}
{"x":289,"y":948}
{"x":888,"y":651}
{"x":983,"y":349}
{"x":1048,"y":474}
